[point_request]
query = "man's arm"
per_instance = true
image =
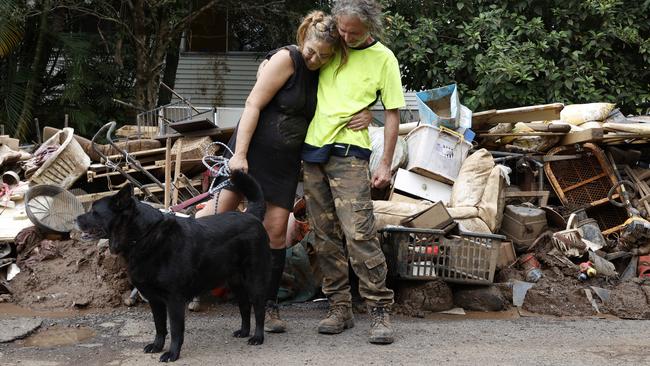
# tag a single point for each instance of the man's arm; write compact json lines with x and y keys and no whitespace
{"x":382,"y":176}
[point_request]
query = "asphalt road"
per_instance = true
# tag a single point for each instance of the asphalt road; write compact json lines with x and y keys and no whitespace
{"x":117,"y":338}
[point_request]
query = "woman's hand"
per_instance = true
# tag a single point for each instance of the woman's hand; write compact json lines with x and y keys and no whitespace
{"x":360,"y":121}
{"x":238,"y":162}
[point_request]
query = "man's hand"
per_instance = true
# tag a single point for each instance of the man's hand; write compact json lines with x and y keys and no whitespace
{"x":360,"y":121}
{"x":238,"y":162}
{"x":382,"y":176}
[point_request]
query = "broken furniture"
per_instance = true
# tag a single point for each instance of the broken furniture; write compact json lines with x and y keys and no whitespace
{"x":179,"y":117}
{"x":129,"y":159}
{"x":584,"y":183}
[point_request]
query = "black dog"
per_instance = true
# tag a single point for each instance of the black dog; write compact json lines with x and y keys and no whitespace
{"x":172,"y":259}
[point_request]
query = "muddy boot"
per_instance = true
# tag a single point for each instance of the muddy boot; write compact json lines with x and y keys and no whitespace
{"x":339,"y":318}
{"x":272,"y":321}
{"x":380,"y":329}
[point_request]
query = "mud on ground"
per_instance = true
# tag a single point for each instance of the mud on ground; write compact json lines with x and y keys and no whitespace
{"x":71,"y":273}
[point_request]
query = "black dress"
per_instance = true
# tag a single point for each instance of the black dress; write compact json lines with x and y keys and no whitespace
{"x":275,"y":147}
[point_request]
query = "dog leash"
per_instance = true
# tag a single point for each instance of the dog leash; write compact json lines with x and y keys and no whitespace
{"x":217,"y":167}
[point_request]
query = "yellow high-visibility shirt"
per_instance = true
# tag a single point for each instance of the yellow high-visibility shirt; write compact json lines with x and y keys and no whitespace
{"x":370,"y":72}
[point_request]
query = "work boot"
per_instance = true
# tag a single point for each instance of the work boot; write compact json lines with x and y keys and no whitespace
{"x":272,"y":321}
{"x":380,"y":329}
{"x":339,"y":318}
{"x":195,"y":304}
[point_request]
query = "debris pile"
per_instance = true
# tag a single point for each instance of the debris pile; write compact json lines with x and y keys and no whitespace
{"x":544,"y":208}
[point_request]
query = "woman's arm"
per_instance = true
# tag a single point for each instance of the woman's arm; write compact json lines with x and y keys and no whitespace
{"x":271,"y":79}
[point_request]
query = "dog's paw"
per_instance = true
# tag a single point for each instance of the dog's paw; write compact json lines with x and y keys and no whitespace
{"x":240,"y":333}
{"x":256,"y":340}
{"x":169,"y":356}
{"x":153,"y":348}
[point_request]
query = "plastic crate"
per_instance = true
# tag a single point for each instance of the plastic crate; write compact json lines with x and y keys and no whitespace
{"x":436,"y":153}
{"x":426,"y":254}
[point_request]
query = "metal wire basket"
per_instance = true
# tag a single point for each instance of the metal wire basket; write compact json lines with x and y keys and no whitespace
{"x":52,"y":208}
{"x":425,"y":254}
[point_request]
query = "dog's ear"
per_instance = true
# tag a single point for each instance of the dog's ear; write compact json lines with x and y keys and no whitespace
{"x":124,"y":198}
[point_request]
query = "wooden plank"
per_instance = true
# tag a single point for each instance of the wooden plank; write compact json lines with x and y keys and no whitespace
{"x":177,"y":170}
{"x":168,"y":171}
{"x":544,"y":127}
{"x":91,"y":197}
{"x":522,"y":134}
{"x":577,"y":137}
{"x":644,"y":175}
{"x":625,"y":135}
{"x":642,"y":186}
{"x":158,"y":151}
{"x":584,"y":182}
{"x":545,"y":112}
{"x":92,"y":175}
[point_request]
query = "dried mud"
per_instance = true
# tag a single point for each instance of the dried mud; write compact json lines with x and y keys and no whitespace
{"x":68,"y":274}
{"x":72,"y":274}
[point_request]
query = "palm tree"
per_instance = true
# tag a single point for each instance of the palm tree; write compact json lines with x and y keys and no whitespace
{"x":11,"y":33}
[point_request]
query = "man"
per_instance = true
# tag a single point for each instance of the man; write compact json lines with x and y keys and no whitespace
{"x":337,"y":180}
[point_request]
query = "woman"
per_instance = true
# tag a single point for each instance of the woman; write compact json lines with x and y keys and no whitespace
{"x":268,"y":140}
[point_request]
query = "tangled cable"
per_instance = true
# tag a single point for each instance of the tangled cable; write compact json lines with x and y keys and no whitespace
{"x":217,"y":167}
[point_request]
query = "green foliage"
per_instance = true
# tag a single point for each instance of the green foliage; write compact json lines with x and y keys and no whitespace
{"x":513,"y":53}
{"x":84,"y":83}
{"x":13,"y":77}
{"x":11,"y":32}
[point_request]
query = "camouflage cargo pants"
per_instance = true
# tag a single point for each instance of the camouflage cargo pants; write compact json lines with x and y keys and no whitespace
{"x":340,"y":211}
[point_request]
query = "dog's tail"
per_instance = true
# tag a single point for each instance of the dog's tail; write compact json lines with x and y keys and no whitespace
{"x":248,"y":186}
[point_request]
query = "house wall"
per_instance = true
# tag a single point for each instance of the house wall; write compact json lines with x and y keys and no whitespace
{"x":225,"y":80}
{"x":217,"y":80}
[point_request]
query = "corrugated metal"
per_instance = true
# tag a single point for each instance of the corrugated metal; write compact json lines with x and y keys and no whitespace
{"x":222,"y":80}
{"x":225,"y":80}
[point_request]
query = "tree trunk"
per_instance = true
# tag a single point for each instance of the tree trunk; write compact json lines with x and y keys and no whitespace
{"x":38,"y":67}
{"x":169,"y":76}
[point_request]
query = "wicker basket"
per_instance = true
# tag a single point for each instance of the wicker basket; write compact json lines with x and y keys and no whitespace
{"x":66,"y":165}
{"x":194,"y":147}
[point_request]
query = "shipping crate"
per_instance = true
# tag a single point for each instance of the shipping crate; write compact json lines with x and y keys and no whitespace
{"x":432,"y":217}
{"x":426,"y":254}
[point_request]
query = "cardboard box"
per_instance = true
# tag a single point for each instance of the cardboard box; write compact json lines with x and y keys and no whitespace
{"x":420,"y":186}
{"x":10,"y":142}
{"x":433,"y":217}
{"x":507,"y":254}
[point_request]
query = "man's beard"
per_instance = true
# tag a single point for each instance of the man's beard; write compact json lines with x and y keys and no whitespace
{"x":361,"y":42}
